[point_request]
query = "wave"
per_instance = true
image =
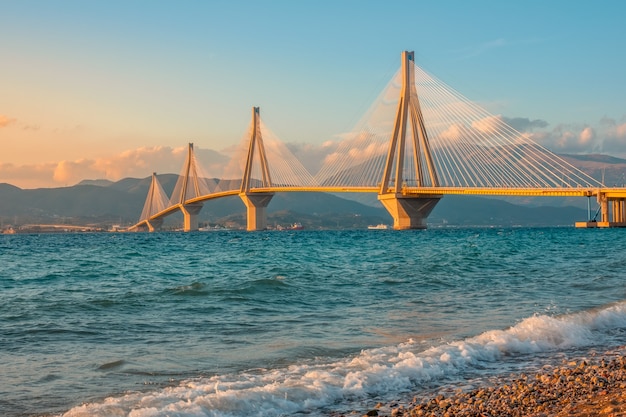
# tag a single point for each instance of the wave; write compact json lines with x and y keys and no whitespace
{"x":314,"y":385}
{"x":194,"y":289}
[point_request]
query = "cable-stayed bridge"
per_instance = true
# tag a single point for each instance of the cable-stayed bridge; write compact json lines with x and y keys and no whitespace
{"x":420,"y":140}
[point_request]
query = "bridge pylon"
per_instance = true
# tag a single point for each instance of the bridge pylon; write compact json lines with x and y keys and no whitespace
{"x":408,"y":211}
{"x":256,"y":202}
{"x":187,"y":187}
{"x":155,"y":202}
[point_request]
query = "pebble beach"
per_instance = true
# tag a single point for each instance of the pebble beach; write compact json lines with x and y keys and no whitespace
{"x":594,"y":386}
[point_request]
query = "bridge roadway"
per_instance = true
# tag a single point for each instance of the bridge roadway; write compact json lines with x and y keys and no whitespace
{"x":606,"y":193}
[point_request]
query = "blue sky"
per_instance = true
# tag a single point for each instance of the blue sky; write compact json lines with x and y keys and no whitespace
{"x":91,"y":88}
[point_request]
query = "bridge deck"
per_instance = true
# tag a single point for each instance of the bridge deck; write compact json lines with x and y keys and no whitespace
{"x":610,"y":193}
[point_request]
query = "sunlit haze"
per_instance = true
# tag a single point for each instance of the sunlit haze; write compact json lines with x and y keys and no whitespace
{"x":114,"y":89}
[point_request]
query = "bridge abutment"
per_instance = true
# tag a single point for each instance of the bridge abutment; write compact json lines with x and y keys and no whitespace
{"x":190,"y":216}
{"x":408,"y":212}
{"x":256,"y":212}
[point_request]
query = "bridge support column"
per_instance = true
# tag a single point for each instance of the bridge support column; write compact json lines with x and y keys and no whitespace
{"x":408,"y":212}
{"x":604,"y":211}
{"x":154,"y":225}
{"x":256,"y":205}
{"x":612,"y":212}
{"x":190,"y":215}
{"x":618,"y":211}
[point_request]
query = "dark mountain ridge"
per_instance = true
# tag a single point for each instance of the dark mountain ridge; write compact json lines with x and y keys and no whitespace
{"x":106,"y":203}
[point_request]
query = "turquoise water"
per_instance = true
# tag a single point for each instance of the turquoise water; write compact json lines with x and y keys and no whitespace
{"x":293,"y":323}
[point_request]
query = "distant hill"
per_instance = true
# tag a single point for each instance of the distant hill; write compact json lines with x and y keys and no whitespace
{"x":599,"y":158}
{"x":481,"y":211}
{"x":100,"y":183}
{"x":121,"y":202}
{"x":105,"y":202}
{"x":607,"y":169}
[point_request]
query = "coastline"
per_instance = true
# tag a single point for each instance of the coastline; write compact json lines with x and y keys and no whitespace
{"x":594,"y":386}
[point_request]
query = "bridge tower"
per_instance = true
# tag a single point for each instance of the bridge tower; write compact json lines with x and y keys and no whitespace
{"x":408,"y":212}
{"x":189,"y":187}
{"x":256,"y":202}
{"x":156,"y":201}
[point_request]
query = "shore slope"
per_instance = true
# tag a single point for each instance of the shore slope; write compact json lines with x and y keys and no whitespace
{"x":591,"y":387}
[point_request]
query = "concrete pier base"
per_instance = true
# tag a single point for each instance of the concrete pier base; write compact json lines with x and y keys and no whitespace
{"x":154,"y":225}
{"x":612,"y":213}
{"x":599,"y":225}
{"x":190,"y":216}
{"x":256,"y":204}
{"x":408,"y":212}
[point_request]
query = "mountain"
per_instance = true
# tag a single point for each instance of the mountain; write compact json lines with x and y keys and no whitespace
{"x":105,"y":202}
{"x":605,"y":168}
{"x":481,"y":211}
{"x":121,"y":202}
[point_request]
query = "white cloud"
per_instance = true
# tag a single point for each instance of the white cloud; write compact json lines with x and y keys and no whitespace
{"x":136,"y":163}
{"x":586,"y":136}
{"x":71,"y":172}
{"x":313,"y":156}
{"x":607,"y":136}
{"x":452,"y":133}
{"x":488,"y":125}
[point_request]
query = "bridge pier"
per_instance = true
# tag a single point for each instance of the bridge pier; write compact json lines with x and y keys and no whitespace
{"x":408,"y":212}
{"x":256,"y":205}
{"x":619,"y":216}
{"x":612,"y":213}
{"x":154,"y":225}
{"x":190,"y":216}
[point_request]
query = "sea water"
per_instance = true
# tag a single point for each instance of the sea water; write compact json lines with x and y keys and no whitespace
{"x":294,"y":322}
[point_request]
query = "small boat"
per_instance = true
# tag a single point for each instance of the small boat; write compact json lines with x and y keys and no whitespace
{"x":216,"y":228}
{"x":380,"y":226}
{"x":296,"y":226}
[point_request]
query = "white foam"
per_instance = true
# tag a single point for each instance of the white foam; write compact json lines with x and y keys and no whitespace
{"x":307,"y":387}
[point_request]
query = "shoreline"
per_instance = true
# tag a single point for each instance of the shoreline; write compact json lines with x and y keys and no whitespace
{"x":586,"y":387}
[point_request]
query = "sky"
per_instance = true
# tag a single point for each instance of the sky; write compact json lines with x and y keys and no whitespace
{"x":116,"y":88}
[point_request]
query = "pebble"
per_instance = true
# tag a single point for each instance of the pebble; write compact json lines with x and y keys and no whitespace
{"x":592,"y":387}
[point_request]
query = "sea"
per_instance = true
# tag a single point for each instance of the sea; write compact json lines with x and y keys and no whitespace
{"x":295,"y":323}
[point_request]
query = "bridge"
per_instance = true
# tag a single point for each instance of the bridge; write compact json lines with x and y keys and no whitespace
{"x":419,"y":141}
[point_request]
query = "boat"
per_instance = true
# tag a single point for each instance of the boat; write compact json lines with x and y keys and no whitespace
{"x":380,"y":226}
{"x":294,"y":226}
{"x":216,"y":228}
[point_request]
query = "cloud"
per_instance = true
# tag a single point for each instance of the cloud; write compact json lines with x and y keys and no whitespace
{"x":614,"y":137}
{"x":488,"y":125}
{"x":524,"y":124}
{"x":453,"y":133}
{"x":70,"y":172}
{"x":607,"y":136}
{"x":5,"y":121}
{"x":136,"y":163}
{"x":313,"y":156}
{"x":27,"y":175}
{"x":586,"y":136}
